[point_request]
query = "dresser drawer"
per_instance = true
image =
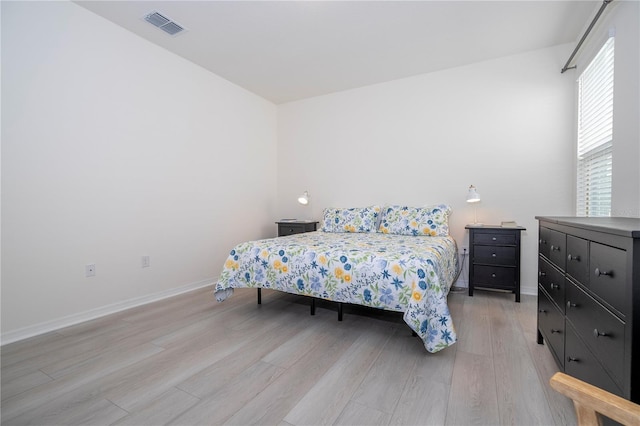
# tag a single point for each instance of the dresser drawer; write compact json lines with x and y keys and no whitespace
{"x":578,"y":259}
{"x":495,"y":277}
{"x":553,"y":281}
{"x":599,"y":329}
{"x":495,"y":238}
{"x":551,"y":325}
{"x":582,"y":364}
{"x":495,"y":255}
{"x":552,"y":245}
{"x":608,"y":266}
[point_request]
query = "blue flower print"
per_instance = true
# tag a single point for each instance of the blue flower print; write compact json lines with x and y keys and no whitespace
{"x":424,"y":326}
{"x":281,"y":253}
{"x":265,"y":264}
{"x":315,"y":283}
{"x":285,"y":259}
{"x":446,"y":336}
{"x":422,"y":285}
{"x":323,"y":271}
{"x":397,"y":283}
{"x":385,"y":274}
{"x":343,"y":259}
{"x":387,"y":296}
{"x":347,"y":266}
{"x":300,"y":284}
{"x":443,"y":321}
{"x":233,"y":252}
{"x":367,"y":295}
{"x":247,"y":276}
{"x":421,"y":273}
{"x":260,"y":275}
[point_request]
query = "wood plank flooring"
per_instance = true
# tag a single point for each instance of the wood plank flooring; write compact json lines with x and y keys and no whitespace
{"x":190,"y":360}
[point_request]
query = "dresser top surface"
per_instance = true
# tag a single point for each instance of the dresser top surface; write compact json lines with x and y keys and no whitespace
{"x":626,"y":226}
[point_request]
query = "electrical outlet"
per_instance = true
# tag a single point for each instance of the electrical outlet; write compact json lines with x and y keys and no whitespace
{"x":146,"y":261}
{"x":90,"y":270}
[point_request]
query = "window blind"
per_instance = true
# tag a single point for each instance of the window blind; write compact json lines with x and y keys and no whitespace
{"x":595,"y":135}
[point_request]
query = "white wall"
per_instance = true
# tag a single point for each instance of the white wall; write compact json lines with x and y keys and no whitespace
{"x":504,"y":125}
{"x":113,"y":148}
{"x":622,"y":19}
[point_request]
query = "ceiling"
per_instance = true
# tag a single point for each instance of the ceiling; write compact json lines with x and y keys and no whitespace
{"x":290,"y":50}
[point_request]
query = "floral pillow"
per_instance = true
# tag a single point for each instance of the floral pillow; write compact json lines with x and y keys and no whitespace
{"x":402,"y":220}
{"x":359,"y":219}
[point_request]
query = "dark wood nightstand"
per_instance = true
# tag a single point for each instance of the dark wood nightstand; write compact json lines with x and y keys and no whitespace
{"x":290,"y":227}
{"x":494,"y":258}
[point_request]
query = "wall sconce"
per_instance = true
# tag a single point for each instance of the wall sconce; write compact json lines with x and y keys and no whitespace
{"x":474,"y":198}
{"x":304,"y":198}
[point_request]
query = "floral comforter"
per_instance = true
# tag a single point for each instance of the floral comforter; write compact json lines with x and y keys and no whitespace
{"x":394,"y":272}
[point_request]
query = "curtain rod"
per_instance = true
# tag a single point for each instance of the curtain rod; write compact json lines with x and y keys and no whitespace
{"x":605,"y":3}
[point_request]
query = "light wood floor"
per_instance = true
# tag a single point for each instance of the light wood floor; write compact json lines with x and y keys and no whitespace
{"x":189,"y":360}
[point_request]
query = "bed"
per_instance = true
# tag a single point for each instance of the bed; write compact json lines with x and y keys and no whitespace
{"x":396,"y":258}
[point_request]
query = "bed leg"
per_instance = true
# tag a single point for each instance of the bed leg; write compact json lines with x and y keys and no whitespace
{"x":339,"y":311}
{"x":313,"y":306}
{"x":259,"y":296}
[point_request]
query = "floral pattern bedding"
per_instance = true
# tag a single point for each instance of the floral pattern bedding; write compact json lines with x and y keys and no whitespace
{"x":410,"y":274}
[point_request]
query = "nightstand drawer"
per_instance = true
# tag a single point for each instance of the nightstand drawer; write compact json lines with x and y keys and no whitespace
{"x":295,"y":227}
{"x":290,"y":229}
{"x":495,"y":238}
{"x":495,"y":255}
{"x":495,"y":277}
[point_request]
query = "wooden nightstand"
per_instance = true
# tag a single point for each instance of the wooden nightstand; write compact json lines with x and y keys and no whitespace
{"x":494,"y":258}
{"x":290,"y":227}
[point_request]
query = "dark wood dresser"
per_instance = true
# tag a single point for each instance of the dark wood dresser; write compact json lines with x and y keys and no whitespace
{"x":589,"y":299}
{"x":494,"y":253}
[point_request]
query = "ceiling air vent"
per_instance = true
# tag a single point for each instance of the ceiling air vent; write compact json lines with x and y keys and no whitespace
{"x":165,"y":24}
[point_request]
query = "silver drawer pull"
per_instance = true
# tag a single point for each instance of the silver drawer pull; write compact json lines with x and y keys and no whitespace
{"x":494,"y":239}
{"x":493,"y":255}
{"x":541,"y":241}
{"x":542,"y":311}
{"x":555,"y":248}
{"x":571,"y":305}
{"x":576,"y":258}
{"x":597,"y":333}
{"x":493,"y":275}
{"x":598,"y":272}
{"x":554,"y":331}
{"x":572,"y":359}
{"x":555,"y":286}
{"x":542,"y":274}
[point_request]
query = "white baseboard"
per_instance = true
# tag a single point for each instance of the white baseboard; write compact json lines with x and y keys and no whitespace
{"x":57,"y":324}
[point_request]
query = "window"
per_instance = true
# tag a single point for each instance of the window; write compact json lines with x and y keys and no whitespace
{"x":595,"y":135}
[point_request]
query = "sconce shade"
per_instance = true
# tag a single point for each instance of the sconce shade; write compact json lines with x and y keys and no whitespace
{"x":473,"y":196}
{"x":304,"y":198}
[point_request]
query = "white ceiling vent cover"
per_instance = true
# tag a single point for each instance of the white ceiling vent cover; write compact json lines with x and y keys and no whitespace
{"x":165,"y":24}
